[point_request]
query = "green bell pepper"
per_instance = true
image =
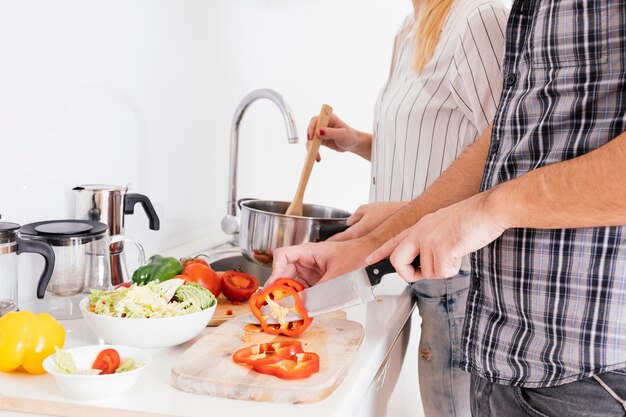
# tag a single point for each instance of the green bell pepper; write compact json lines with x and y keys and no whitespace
{"x":158,"y":269}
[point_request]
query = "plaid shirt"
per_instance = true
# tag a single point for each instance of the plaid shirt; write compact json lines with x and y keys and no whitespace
{"x":547,"y":307}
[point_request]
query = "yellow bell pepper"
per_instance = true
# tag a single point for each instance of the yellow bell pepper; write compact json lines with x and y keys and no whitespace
{"x":26,"y":339}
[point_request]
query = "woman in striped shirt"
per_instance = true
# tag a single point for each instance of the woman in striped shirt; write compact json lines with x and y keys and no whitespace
{"x":443,"y":89}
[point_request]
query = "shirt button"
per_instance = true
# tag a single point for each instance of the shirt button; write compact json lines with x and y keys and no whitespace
{"x":494,"y":145}
{"x":511,"y":79}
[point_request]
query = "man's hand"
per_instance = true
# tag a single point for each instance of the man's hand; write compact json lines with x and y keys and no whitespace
{"x":367,"y":218}
{"x":441,"y":239}
{"x":313,"y":263}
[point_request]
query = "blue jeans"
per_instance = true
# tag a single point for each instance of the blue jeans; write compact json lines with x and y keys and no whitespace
{"x":444,"y":387}
{"x":601,"y":395}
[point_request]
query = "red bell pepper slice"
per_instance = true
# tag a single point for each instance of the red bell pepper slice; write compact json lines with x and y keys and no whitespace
{"x":267,"y":353}
{"x":293,"y":284}
{"x":269,"y":296}
{"x":298,"y":366}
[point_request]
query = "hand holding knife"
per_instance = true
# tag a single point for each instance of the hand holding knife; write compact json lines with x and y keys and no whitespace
{"x":338,"y":293}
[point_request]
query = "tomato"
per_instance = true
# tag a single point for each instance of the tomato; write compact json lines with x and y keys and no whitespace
{"x":107,"y":361}
{"x":123,"y":285}
{"x":190,"y":261}
{"x":204,"y":276}
{"x":238,"y":286}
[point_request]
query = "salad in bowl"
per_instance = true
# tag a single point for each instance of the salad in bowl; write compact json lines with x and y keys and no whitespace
{"x":150,"y":316}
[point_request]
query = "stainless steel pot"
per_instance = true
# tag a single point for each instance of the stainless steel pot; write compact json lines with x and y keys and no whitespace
{"x":264,"y":227}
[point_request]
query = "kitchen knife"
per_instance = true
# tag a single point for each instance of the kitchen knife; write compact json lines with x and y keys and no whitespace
{"x":336,"y":294}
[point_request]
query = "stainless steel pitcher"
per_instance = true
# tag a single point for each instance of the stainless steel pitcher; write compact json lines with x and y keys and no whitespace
{"x":109,"y":204}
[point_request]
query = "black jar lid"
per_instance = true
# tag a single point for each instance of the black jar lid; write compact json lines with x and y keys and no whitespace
{"x":64,"y":229}
{"x":7,"y":231}
{"x":8,"y":227}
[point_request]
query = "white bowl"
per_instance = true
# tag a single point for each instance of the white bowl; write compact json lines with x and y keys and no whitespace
{"x":146,"y":333}
{"x":97,"y":387}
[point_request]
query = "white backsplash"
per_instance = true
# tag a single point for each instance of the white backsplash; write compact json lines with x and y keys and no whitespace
{"x":143,"y":92}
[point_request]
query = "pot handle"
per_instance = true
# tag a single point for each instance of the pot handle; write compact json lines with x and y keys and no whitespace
{"x":129,"y":208}
{"x":43,"y":249}
{"x":328,"y":230}
{"x":243,"y":200}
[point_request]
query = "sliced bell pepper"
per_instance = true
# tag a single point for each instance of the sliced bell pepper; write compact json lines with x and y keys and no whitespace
{"x":158,"y":269}
{"x":270,"y":296}
{"x":26,"y":339}
{"x":293,"y":284}
{"x":266,"y":353}
{"x":298,"y":366}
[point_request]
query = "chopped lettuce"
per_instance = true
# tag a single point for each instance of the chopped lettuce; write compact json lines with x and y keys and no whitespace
{"x":151,"y":300}
{"x":64,"y":362}
{"x":127,"y":364}
{"x":194,"y":296}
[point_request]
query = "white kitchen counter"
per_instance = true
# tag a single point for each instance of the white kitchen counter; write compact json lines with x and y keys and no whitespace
{"x":383,"y":320}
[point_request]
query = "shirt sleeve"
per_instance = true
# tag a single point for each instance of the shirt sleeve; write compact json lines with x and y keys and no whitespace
{"x":476,"y":75}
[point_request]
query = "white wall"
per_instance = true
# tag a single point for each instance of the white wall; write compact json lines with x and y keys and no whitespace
{"x":143,"y":92}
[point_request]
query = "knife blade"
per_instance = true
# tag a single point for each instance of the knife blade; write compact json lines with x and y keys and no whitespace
{"x":353,"y":288}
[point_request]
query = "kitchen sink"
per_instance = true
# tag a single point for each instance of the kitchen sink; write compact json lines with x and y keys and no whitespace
{"x":223,"y":259}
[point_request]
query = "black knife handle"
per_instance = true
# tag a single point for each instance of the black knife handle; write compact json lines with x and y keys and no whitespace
{"x":376,"y":271}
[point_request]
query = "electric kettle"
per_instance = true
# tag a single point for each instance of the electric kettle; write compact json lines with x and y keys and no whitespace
{"x":109,"y":204}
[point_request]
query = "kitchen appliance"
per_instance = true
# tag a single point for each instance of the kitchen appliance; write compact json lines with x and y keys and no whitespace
{"x":81,"y":249}
{"x":109,"y":204}
{"x":336,"y":294}
{"x":265,"y":227}
{"x":12,"y":245}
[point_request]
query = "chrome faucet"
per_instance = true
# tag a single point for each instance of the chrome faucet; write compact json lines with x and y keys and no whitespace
{"x":229,"y":222}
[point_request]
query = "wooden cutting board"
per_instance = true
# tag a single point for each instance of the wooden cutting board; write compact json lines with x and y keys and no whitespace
{"x":227,"y":310}
{"x":207,"y":366}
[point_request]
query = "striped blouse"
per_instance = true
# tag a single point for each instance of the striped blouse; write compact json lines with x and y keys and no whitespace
{"x":422,"y":122}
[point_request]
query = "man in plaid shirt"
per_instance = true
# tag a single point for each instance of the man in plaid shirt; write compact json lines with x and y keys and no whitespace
{"x":539,"y":203}
{"x":545,"y":328}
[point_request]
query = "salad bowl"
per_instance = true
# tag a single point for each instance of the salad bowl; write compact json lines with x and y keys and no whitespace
{"x":97,"y":387}
{"x":146,"y":333}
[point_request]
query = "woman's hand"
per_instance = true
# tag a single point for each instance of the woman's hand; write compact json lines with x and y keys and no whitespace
{"x":340,"y":137}
{"x":367,"y":218}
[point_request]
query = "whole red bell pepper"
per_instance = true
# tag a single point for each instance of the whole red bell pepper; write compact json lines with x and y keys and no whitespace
{"x":270,"y":296}
{"x":298,"y":366}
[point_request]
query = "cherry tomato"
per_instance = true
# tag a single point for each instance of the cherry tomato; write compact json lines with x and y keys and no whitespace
{"x":204,"y":276}
{"x":238,"y":286}
{"x":190,"y":261}
{"x":107,"y":361}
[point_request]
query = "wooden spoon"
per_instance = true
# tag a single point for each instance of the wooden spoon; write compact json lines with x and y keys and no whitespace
{"x":295,"y":208}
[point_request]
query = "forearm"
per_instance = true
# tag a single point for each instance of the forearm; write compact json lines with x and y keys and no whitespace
{"x":460,"y":181}
{"x":364,"y":147}
{"x":586,"y":191}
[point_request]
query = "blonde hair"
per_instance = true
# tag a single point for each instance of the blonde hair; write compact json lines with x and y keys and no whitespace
{"x":432,"y":16}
